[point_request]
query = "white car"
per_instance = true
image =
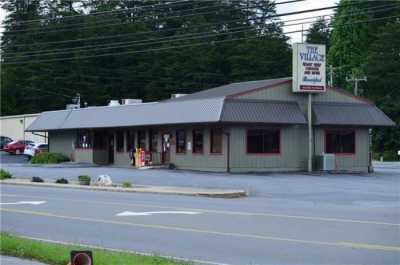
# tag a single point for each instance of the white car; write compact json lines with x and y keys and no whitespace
{"x":32,"y":149}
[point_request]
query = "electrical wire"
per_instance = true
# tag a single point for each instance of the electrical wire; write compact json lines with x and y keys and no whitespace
{"x":379,"y":9}
{"x":28,"y":32}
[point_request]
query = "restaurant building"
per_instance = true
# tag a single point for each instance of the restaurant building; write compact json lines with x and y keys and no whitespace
{"x":255,"y":126}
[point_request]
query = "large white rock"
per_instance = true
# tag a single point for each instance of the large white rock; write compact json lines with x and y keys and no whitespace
{"x":103,"y":180}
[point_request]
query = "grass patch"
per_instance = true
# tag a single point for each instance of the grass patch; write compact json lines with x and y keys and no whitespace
{"x":58,"y":254}
{"x":127,"y":184}
{"x":4,"y":174}
{"x":49,"y":158}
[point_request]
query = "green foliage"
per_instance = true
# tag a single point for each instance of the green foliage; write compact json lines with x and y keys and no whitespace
{"x":38,"y":86}
{"x":62,"y":181}
{"x":319,"y":33}
{"x":383,"y":70}
{"x":58,"y":254}
{"x":49,"y":158}
{"x":127,"y":184}
{"x":37,"y":179}
{"x":4,"y":174}
{"x":84,"y":179}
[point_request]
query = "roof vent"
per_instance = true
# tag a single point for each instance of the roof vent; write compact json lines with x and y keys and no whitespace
{"x":130,"y":101}
{"x":113,"y":103}
{"x":177,"y":95}
{"x":72,"y":106}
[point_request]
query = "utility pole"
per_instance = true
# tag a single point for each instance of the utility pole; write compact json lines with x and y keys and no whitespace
{"x":330,"y":75}
{"x":356,"y":80}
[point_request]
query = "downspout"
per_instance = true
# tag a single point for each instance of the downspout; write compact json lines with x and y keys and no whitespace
{"x":228,"y":151}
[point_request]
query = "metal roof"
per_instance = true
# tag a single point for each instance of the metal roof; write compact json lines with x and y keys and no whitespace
{"x":49,"y":120}
{"x":357,"y":114}
{"x":194,"y":111}
{"x":261,"y":111}
{"x":233,"y":89}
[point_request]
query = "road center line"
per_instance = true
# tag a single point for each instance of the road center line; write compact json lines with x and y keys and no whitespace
{"x":222,"y":212}
{"x":210,"y":232}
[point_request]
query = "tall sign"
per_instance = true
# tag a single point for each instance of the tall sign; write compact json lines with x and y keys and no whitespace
{"x":309,"y":63}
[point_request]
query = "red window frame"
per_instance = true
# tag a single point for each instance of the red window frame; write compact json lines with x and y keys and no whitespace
{"x":340,"y":131}
{"x":215,"y":131}
{"x":277,"y":152}
{"x":177,"y":147}
{"x":194,"y":149}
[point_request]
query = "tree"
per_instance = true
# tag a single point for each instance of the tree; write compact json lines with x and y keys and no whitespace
{"x":319,"y":33}
{"x":355,"y":26}
{"x":383,"y":70}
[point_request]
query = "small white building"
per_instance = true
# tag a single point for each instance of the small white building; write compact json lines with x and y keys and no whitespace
{"x":14,"y":127}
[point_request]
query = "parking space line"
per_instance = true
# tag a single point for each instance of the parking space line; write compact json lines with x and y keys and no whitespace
{"x":222,"y":212}
{"x":209,"y":232}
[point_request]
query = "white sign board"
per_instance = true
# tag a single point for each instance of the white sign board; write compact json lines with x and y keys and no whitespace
{"x":309,"y":63}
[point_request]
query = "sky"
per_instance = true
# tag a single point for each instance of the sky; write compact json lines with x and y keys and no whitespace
{"x":284,"y":8}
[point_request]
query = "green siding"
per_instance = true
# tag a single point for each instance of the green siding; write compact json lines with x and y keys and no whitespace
{"x":205,"y":161}
{"x":293,"y":155}
{"x":83,"y":155}
{"x":62,"y":142}
{"x":357,"y":162}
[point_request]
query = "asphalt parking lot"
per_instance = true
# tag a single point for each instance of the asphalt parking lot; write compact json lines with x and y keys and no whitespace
{"x":287,"y":219}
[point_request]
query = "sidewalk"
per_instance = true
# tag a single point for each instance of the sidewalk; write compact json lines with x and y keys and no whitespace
{"x":5,"y":260}
{"x":170,"y":190}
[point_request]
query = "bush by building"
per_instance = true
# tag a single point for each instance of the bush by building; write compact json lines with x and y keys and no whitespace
{"x":49,"y":158}
{"x":4,"y":174}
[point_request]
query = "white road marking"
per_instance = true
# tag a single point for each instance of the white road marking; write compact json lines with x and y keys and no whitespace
{"x":128,"y":213}
{"x":23,"y":202}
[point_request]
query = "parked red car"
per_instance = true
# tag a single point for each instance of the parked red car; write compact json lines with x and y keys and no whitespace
{"x":16,"y":147}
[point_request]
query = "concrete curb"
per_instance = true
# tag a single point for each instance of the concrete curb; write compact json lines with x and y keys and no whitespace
{"x":187,"y":191}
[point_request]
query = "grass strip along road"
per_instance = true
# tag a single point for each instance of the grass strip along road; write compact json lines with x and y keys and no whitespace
{"x":58,"y":254}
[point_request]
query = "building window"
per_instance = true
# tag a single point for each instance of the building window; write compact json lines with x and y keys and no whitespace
{"x":84,"y":139}
{"x":340,"y":142}
{"x":197,"y":141}
{"x":180,"y":141}
{"x":153,"y":141}
{"x":142,"y":139}
{"x":216,"y":141}
{"x":263,"y":141}
{"x":130,"y":138}
{"x":120,"y":141}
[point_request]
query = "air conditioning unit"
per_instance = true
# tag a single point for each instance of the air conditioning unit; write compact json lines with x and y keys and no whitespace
{"x":325,"y":162}
{"x":131,"y":101}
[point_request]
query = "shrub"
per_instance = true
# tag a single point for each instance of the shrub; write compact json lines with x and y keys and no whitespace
{"x":4,"y":174}
{"x":37,"y":179}
{"x":49,"y":158}
{"x":84,"y":179}
{"x":62,"y":181}
{"x":126,"y":184}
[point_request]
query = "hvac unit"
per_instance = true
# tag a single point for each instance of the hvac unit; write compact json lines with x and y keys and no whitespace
{"x":326,"y":162}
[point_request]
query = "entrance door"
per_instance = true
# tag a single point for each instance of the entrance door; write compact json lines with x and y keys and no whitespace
{"x":111,"y":148}
{"x":166,"y":146}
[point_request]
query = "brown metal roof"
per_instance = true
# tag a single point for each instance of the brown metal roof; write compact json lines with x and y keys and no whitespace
{"x":261,"y":111}
{"x":357,"y":114}
{"x":233,"y":89}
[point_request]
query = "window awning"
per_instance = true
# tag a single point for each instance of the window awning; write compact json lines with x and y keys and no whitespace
{"x":348,"y":114}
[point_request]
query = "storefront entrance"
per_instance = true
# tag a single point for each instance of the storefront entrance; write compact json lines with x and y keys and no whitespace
{"x":111,"y":148}
{"x":166,"y":146}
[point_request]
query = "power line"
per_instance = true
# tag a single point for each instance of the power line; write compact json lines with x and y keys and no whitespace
{"x":149,"y":41}
{"x":146,"y":32}
{"x":163,"y":48}
{"x":174,"y":3}
{"x":379,"y":9}
{"x":126,"y":44}
{"x":28,"y":32}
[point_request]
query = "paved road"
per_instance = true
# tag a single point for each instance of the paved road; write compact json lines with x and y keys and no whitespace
{"x":339,"y":188}
{"x":321,"y":224}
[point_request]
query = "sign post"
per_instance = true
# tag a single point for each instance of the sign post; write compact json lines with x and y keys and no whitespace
{"x":309,"y":76}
